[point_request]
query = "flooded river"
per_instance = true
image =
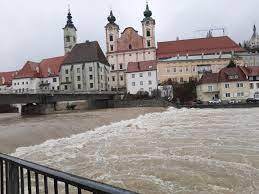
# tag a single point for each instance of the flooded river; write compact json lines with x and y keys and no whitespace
{"x":175,"y":151}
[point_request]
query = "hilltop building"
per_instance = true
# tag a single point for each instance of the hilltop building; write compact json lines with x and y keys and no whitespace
{"x":185,"y":60}
{"x":128,"y":47}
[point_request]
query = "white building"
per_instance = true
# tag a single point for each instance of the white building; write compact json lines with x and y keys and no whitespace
{"x":38,"y":77}
{"x":128,"y":47}
{"x":141,"y":76}
{"x":85,"y":68}
{"x":249,"y":58}
{"x":252,"y":75}
{"x":6,"y":81}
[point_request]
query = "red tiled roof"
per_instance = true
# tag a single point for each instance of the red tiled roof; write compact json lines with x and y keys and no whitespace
{"x":197,"y":47}
{"x":223,"y":76}
{"x":52,"y":64}
{"x":251,"y":70}
{"x":141,"y":66}
{"x":6,"y":77}
{"x":209,"y":78}
{"x":28,"y":70}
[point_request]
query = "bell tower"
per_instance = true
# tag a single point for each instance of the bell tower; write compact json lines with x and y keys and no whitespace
{"x":70,"y":37}
{"x":112,"y":33}
{"x":148,"y":28}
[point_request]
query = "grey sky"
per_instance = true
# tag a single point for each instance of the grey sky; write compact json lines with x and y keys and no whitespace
{"x":32,"y":29}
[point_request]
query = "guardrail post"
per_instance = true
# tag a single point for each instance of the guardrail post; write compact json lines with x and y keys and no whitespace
{"x":13,"y":178}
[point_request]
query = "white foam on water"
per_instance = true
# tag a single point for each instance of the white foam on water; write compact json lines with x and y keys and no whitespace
{"x":179,"y":150}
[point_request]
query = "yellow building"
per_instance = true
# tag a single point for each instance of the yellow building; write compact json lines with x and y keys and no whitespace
{"x":228,"y":84}
{"x":183,"y":60}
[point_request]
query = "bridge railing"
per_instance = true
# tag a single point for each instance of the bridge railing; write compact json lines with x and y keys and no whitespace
{"x":19,"y":176}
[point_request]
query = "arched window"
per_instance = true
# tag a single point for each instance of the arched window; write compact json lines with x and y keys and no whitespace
{"x":148,"y":33}
{"x":111,"y":38}
{"x":68,"y":38}
{"x":130,"y":46}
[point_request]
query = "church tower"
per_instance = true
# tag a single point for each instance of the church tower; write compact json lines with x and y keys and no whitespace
{"x":70,"y":37}
{"x":112,"y":33}
{"x":148,"y":28}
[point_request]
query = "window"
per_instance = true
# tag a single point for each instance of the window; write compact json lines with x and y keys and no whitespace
{"x":90,"y":68}
{"x":65,"y":87}
{"x":53,"y":88}
{"x":257,"y":85}
{"x":78,"y":70}
{"x":22,"y":83}
{"x":79,"y":86}
{"x":148,"y":43}
{"x":90,"y":77}
{"x":58,"y":87}
{"x":113,"y":78}
{"x":168,"y":70}
{"x":210,"y":88}
{"x":240,"y":94}
{"x":174,"y":69}
{"x":227,"y":95}
{"x":121,"y":77}
{"x":141,"y":75}
{"x":133,"y":83}
{"x":54,"y":80}
{"x":240,"y":85}
{"x":130,"y":46}
{"x":111,"y":38}
{"x":251,"y":86}
{"x":181,"y":79}
{"x":187,"y":69}
{"x":121,"y":66}
{"x":141,"y":83}
{"x":132,"y":75}
{"x":74,"y":38}
{"x":130,"y":55}
{"x":101,"y":77}
{"x":150,"y":89}
{"x":78,"y":78}
{"x":226,"y":85}
{"x":67,"y":38}
{"x":149,"y":74}
{"x":66,"y":71}
{"x":181,"y":70}
{"x":112,"y":67}
{"x":193,"y":69}
{"x":111,"y":47}
{"x":148,"y":33}
{"x":150,"y":82}
{"x":91,"y":85}
{"x":67,"y":79}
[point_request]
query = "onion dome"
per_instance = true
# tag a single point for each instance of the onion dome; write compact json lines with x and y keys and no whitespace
{"x":147,"y":12}
{"x":111,"y":18}
{"x":69,"y":21}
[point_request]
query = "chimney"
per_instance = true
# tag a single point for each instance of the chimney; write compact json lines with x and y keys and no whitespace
{"x":37,"y":69}
{"x":178,"y":56}
{"x":202,"y":55}
{"x":187,"y":55}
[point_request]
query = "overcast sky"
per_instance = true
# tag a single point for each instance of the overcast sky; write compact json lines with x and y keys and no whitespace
{"x":32,"y":29}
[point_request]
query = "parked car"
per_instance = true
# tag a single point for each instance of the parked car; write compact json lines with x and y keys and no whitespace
{"x":215,"y":101}
{"x":251,"y":100}
{"x":232,"y":101}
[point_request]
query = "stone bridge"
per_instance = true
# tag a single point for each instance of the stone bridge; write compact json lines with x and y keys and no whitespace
{"x":43,"y":103}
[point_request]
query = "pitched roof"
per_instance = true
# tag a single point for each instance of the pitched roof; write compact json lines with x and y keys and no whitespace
{"x":86,"y":52}
{"x":251,"y":70}
{"x":224,"y":76}
{"x":141,"y":66}
{"x":6,"y":77}
{"x":30,"y":69}
{"x":209,"y":78}
{"x":197,"y":46}
{"x":50,"y":67}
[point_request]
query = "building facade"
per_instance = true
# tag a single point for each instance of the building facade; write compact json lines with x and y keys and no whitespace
{"x":185,"y":60}
{"x":6,"y":81}
{"x":38,"y":77}
{"x":128,"y":47}
{"x":141,"y":77}
{"x":237,"y":83}
{"x":85,"y":68}
{"x":249,"y":58}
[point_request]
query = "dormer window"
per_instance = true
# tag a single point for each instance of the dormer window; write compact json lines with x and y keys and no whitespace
{"x":233,"y":77}
{"x":130,"y":46}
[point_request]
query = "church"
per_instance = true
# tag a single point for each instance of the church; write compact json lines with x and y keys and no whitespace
{"x":129,"y":46}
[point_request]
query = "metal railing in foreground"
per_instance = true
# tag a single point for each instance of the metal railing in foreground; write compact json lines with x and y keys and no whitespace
{"x":18,"y":176}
